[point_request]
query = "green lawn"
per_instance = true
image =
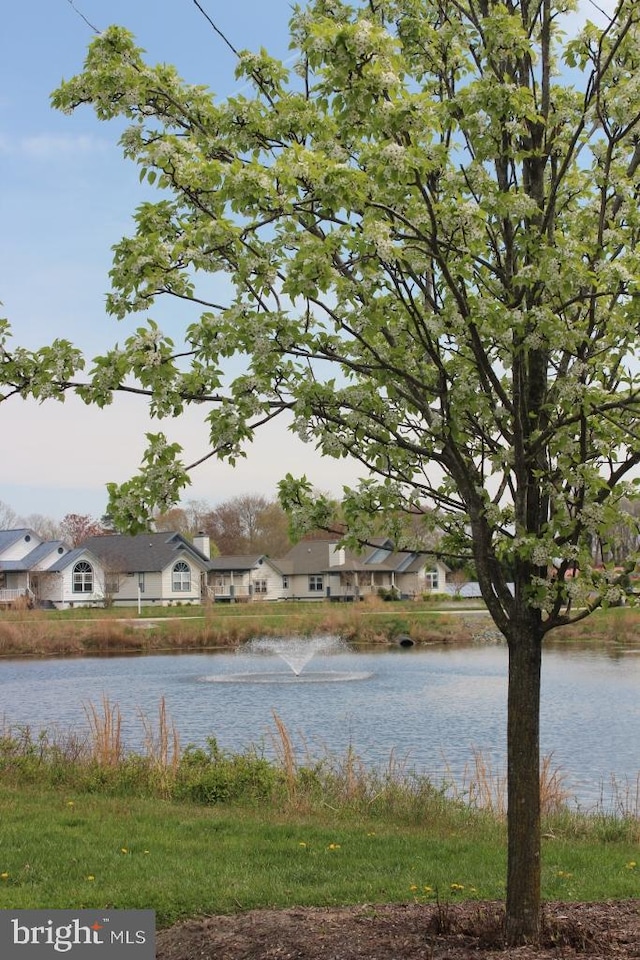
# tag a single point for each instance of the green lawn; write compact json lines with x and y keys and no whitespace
{"x":61,"y":849}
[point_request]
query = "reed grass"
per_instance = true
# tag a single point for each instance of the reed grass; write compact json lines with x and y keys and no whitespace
{"x":341,"y":783}
{"x":96,"y":631}
{"x":105,"y":732}
{"x":161,"y":741}
{"x":485,"y":788}
{"x":285,"y":754}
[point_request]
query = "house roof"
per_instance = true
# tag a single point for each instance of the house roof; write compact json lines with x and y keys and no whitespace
{"x":9,"y":537}
{"x":308,"y":556}
{"x":241,"y":562}
{"x":35,"y":556}
{"x":143,"y":553}
{"x":314,"y":557}
{"x":71,"y":557}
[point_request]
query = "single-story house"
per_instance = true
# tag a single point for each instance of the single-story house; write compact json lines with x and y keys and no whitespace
{"x":155,"y":568}
{"x":150,"y":568}
{"x":24,"y":561}
{"x":75,"y":579}
{"x":315,"y":569}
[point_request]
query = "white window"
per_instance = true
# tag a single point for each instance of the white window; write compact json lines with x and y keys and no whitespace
{"x":316,"y":583}
{"x":431,"y":579}
{"x":259,"y":586}
{"x":141,"y":581}
{"x":83,"y":577}
{"x":285,"y":582}
{"x":181,"y":577}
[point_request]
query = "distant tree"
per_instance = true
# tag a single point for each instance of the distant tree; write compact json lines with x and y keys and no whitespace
{"x":458,"y":579}
{"x":273,"y":536}
{"x":9,"y":519}
{"x":45,"y":527}
{"x":622,"y":539}
{"x":249,"y":523}
{"x":107,"y":523}
{"x":187,"y":518}
{"x":76,"y":527}
{"x":196,"y":511}
{"x":173,"y":519}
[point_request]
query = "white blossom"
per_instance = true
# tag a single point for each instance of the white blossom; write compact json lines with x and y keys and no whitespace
{"x":380,"y":235}
{"x":394,"y":153}
{"x":362,"y":37}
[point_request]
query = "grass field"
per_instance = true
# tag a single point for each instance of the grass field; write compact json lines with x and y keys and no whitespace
{"x":210,"y":832}
{"x":192,"y":832}
{"x":62,"y":849}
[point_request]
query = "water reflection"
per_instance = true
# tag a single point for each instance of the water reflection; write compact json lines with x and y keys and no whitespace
{"x":433,"y":706}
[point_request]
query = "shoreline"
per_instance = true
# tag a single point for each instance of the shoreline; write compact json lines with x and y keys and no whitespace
{"x":38,"y":634}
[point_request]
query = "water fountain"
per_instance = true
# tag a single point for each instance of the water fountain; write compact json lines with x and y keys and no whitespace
{"x":296,"y":653}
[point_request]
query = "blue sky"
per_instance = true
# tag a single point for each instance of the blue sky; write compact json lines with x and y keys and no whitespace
{"x":66,"y":196}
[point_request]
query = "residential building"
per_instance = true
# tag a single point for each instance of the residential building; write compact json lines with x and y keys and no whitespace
{"x":319,"y":569}
{"x":149,"y":568}
{"x":155,"y":568}
{"x":244,"y":578}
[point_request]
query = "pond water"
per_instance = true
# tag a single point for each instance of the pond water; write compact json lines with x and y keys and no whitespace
{"x":430,"y":707}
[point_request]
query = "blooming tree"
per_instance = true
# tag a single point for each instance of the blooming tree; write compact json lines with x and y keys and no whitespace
{"x":77,"y":527}
{"x":427,"y":232}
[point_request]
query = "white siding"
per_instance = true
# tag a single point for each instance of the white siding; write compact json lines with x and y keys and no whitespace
{"x":50,"y":587}
{"x":299,"y":586}
{"x":16,"y":580}
{"x":68,"y":598}
{"x":245,"y":584}
{"x":50,"y":558}
{"x":22,"y":547}
{"x":273,"y":583}
{"x":181,"y":596}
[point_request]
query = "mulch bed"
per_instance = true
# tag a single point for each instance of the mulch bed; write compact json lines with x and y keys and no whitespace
{"x":461,"y":931}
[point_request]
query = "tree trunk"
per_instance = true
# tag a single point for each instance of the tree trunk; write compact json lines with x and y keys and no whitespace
{"x":523,"y":792}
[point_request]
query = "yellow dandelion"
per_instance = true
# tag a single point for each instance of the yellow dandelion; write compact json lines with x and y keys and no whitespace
{"x":428,"y":889}
{"x":457,"y":886}
{"x":71,"y":803}
{"x":302,"y":844}
{"x":334,"y":846}
{"x":91,"y":877}
{"x":123,"y":850}
{"x":414,"y":886}
{"x":4,"y":876}
{"x":631,"y":865}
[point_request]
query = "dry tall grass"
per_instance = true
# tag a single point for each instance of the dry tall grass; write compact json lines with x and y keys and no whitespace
{"x":485,"y":788}
{"x":105,"y":732}
{"x":41,"y":633}
{"x":285,"y":754}
{"x":161,"y":743}
{"x":622,"y":796}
